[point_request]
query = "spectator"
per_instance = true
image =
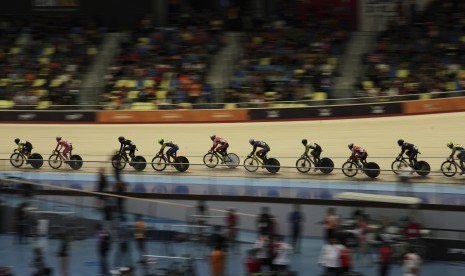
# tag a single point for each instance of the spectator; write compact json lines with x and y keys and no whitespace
{"x":218,"y":240}
{"x":362,"y":231}
{"x":63,"y":254}
{"x":120,"y":188}
{"x":140,"y":235}
{"x":281,"y":251}
{"x":264,"y":222}
{"x":217,"y":261}
{"x":103,"y":247}
{"x":412,"y":263}
{"x":296,"y":219}
{"x":21,"y":219}
{"x":263,"y":246}
{"x":330,"y":257}
{"x":201,"y":213}
{"x":385,"y":254}
{"x":123,"y":253}
{"x":331,"y":223}
{"x":252,"y":263}
{"x":412,"y":229}
{"x":346,"y":260}
{"x":39,"y":265}
{"x":102,"y":184}
{"x":232,"y":222}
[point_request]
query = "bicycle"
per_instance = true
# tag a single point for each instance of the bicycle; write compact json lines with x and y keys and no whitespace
{"x":212,"y":158}
{"x":18,"y":158}
{"x":119,"y":160}
{"x":56,"y":160}
{"x":449,"y":167}
{"x":305,"y":162}
{"x":422,"y":168}
{"x":160,"y":162}
{"x":351,"y":167}
{"x":252,"y":162}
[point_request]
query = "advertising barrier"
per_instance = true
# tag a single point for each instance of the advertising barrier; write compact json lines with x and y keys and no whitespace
{"x":34,"y":116}
{"x":330,"y":111}
{"x":434,"y":106}
{"x":172,"y":116}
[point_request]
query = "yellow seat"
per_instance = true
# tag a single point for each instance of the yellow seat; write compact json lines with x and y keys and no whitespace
{"x":161,"y":95}
{"x":230,"y":106}
{"x":144,"y":40}
{"x":270,"y":95}
{"x":38,"y":82}
{"x":4,"y":82}
{"x":265,"y":61}
{"x":43,"y":104}
{"x":142,"y":106}
{"x":367,"y":84}
{"x":15,"y":51}
{"x":48,"y":51}
{"x":402,"y":73}
{"x":133,"y":95}
{"x":451,"y":86}
{"x":42,"y":93}
{"x":425,"y":97}
{"x":149,"y":83}
{"x":92,"y":51}
{"x":43,"y":60}
{"x":185,"y":105}
{"x":120,"y":83}
{"x":319,"y":96}
{"x":55,"y":83}
{"x":299,"y":71}
{"x":4,"y":104}
{"x":131,"y":83}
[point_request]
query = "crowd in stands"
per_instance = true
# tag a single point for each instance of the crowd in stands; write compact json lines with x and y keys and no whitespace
{"x":42,"y":61}
{"x":288,"y":61}
{"x":421,"y":54}
{"x":163,"y":66}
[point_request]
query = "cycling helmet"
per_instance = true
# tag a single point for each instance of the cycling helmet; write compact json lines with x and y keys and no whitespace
{"x":400,"y":142}
{"x":121,"y":139}
{"x":17,"y":140}
{"x":161,"y":141}
{"x":251,"y":141}
{"x":213,"y":137}
{"x":351,"y":146}
{"x":58,"y":138}
{"x":304,"y":141}
{"x":450,"y":145}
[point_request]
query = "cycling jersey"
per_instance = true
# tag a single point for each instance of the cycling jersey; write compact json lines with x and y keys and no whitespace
{"x":220,"y":144}
{"x":173,"y":148}
{"x":461,"y":152}
{"x":63,"y":144}
{"x":260,"y":144}
{"x":25,"y":146}
{"x":316,"y":149}
{"x":408,"y":147}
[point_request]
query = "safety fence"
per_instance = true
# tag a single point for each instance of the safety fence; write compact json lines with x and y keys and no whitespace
{"x":248,"y":113}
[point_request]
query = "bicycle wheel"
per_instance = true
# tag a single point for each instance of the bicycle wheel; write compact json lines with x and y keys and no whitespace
{"x":231,"y":160}
{"x":423,"y":168}
{"x":159,"y":163}
{"x":303,"y":165}
{"x":118,"y":162}
{"x":251,"y":164}
{"x":272,"y":165}
{"x":36,"y":160}
{"x":326,"y":165}
{"x":55,"y":161}
{"x":139,"y":163}
{"x":16,"y":160}
{"x":349,"y":169}
{"x":182,"y":163}
{"x":210,"y":160}
{"x":75,"y":162}
{"x":372,"y":170}
{"x":398,"y":166}
{"x":448,"y":168}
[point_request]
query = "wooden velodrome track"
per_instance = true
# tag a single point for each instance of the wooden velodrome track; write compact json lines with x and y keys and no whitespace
{"x":377,"y":135}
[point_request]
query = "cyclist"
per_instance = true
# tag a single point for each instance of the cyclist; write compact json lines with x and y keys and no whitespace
{"x":24,"y":147}
{"x":316,"y":151}
{"x":127,"y":145}
{"x":62,"y":144}
{"x":358,"y":153}
{"x":410,"y":150}
{"x":460,"y":155}
{"x":219,"y":144}
{"x":171,"y":152}
{"x":259,"y":144}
